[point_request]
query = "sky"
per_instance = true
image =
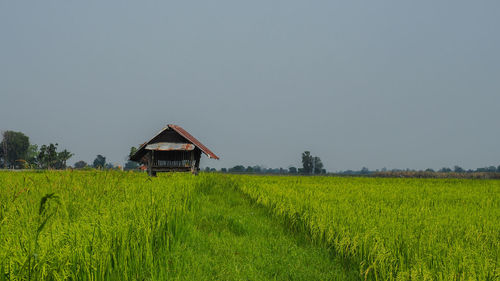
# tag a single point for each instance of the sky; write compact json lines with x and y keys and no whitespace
{"x":395,"y":84}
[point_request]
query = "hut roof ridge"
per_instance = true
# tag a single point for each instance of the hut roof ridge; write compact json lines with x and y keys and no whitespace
{"x":193,"y":140}
{"x":184,"y":134}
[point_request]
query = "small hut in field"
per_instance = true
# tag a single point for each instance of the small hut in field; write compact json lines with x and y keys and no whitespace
{"x":173,"y":149}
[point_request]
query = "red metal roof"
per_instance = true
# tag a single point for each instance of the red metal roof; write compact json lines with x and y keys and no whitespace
{"x":193,"y":140}
{"x":183,"y":133}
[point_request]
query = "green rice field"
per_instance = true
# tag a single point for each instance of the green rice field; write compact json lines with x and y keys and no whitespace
{"x":111,"y":225}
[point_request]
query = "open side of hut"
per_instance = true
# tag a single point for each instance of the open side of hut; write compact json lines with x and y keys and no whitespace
{"x":173,"y":149}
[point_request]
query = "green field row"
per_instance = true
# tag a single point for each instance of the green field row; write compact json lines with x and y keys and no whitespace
{"x":110,"y":225}
{"x":394,"y":229}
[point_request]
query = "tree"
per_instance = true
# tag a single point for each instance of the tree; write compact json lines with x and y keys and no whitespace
{"x":133,"y":150}
{"x":317,"y":165}
{"x":99,"y":162}
{"x":32,"y":155}
{"x":47,"y":157}
{"x":292,"y":170}
{"x":62,"y":157}
{"x":498,"y":169}
{"x":458,"y":169}
{"x":311,"y":164}
{"x":223,"y":170}
{"x":307,"y":162}
{"x":257,"y":169}
{"x":444,"y":170}
{"x":364,"y":171}
{"x":490,"y":169}
{"x":14,"y":147}
{"x":237,"y":169}
{"x":80,"y":164}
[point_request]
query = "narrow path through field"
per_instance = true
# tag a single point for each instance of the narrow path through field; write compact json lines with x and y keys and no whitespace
{"x":234,"y":239}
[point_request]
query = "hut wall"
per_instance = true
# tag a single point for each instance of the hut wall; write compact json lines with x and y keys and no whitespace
{"x":173,"y":159}
{"x":169,"y":136}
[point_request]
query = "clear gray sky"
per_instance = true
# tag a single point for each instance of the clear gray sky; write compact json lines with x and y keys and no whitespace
{"x":396,"y":84}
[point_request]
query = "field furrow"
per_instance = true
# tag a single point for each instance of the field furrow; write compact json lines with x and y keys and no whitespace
{"x":394,"y":229}
{"x":126,"y":226}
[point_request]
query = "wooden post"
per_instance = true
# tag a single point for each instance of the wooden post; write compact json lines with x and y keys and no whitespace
{"x":153,"y":173}
{"x":193,"y":164}
{"x":197,"y":161}
{"x":150,"y":164}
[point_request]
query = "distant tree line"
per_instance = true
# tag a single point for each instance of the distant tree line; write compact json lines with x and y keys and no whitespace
{"x":364,"y":171}
{"x":16,"y":152}
{"x":240,"y":169}
{"x":310,"y":165}
{"x":456,"y":169}
{"x":100,"y":163}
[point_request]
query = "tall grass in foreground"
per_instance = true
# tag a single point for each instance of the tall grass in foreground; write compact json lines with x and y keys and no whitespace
{"x":91,"y":225}
{"x":112,"y":225}
{"x":393,"y":229}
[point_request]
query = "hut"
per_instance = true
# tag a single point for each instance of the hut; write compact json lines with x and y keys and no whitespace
{"x":173,"y":149}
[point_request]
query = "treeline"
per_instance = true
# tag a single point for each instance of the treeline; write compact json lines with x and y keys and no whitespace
{"x":490,"y":172}
{"x":311,"y":165}
{"x":100,"y":163}
{"x":240,"y":169}
{"x":16,"y":152}
{"x":456,"y":170}
{"x":428,"y":174}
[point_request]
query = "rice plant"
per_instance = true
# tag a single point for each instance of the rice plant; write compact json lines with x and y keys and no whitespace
{"x":110,"y":225}
{"x":90,"y":225}
{"x":393,"y":229}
